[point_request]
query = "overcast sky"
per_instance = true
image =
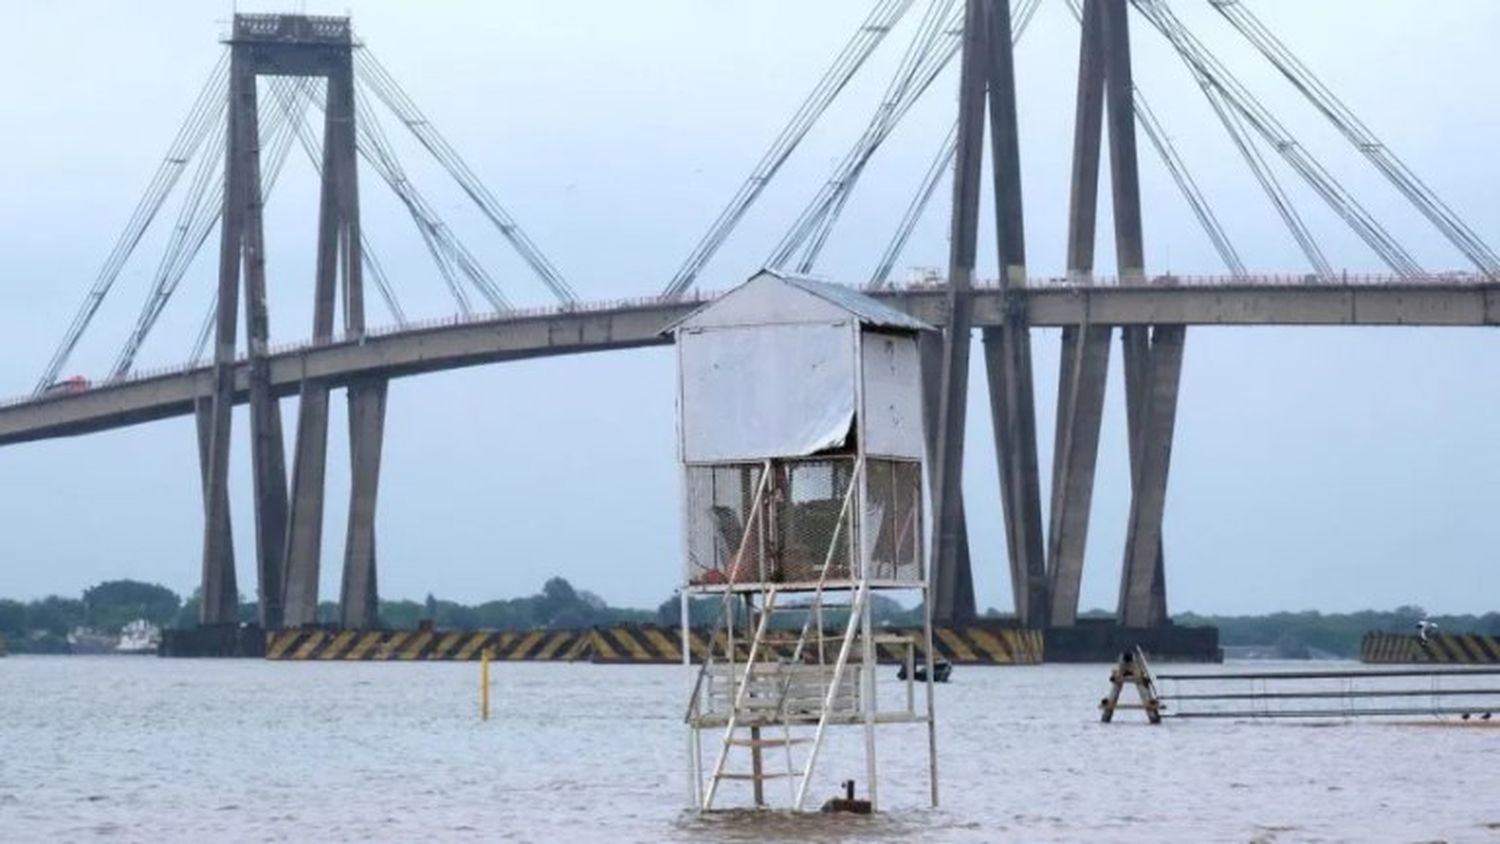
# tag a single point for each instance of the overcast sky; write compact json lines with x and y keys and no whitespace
{"x":1332,"y":468}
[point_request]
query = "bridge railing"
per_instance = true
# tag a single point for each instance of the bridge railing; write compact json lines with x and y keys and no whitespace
{"x":1279,"y":280}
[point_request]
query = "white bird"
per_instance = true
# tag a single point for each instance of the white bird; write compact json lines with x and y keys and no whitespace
{"x":1425,"y":627}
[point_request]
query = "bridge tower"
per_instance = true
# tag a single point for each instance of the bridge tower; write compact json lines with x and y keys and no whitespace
{"x":289,"y":533}
{"x":987,"y":77}
{"x":1046,"y":568}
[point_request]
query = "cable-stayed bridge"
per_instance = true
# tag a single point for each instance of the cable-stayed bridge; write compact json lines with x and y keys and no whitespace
{"x":279,"y":71}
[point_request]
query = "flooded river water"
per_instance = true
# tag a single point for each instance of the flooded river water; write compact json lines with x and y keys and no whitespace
{"x":124,"y":749}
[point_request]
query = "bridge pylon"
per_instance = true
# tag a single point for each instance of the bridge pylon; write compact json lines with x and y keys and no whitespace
{"x":289,"y":531}
{"x":1046,"y":567}
{"x":988,"y":77}
{"x":1152,"y":355}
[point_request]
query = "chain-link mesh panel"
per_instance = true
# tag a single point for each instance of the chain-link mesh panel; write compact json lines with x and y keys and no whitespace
{"x":812,"y":526}
{"x":893,"y":519}
{"x":719,"y":501}
{"x":802,"y":523}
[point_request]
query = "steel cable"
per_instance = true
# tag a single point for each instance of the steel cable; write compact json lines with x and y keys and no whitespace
{"x":201,"y":118}
{"x":395,"y":98}
{"x":1276,"y":135}
{"x":847,"y":62}
{"x":294,"y":97}
{"x":1348,"y":123}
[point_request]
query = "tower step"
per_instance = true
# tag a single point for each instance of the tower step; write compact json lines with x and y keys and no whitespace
{"x":753,"y":776}
{"x":767,"y":742}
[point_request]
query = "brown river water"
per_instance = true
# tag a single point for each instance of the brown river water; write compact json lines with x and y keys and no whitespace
{"x":141,"y":749}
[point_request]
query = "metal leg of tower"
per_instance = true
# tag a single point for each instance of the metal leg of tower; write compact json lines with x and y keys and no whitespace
{"x":358,"y":603}
{"x":1080,"y":416}
{"x":1157,"y":407}
{"x":304,"y":538}
{"x":957,"y":605}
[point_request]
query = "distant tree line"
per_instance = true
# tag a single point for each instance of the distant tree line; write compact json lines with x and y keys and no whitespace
{"x":42,"y":626}
{"x":1300,"y":635}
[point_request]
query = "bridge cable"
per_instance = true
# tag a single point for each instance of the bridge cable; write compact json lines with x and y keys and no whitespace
{"x":200,"y":211}
{"x":1244,"y":141}
{"x":294,"y":96}
{"x":1207,"y":219}
{"x":1348,"y":123}
{"x":1241,"y":135}
{"x":447,"y":251}
{"x":1155,"y":132}
{"x":200,"y":120}
{"x":1276,"y":135}
{"x":871,"y":32}
{"x":389,"y":170}
{"x":373,"y":145}
{"x":812,"y":226}
{"x":450,"y":255}
{"x":276,"y":133}
{"x":812,"y":229}
{"x":941,"y":165}
{"x":395,"y":98}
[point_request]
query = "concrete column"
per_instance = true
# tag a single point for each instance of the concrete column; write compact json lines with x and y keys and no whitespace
{"x":358,"y":603}
{"x":1081,"y":414}
{"x":1020,"y":492}
{"x":220,"y":595}
{"x":930,"y":346}
{"x":1085,"y":349}
{"x":203,"y":416}
{"x":1008,"y":349}
{"x":268,"y":455}
{"x":1140,"y":594}
{"x":948,"y":525}
{"x":1146,"y":379}
{"x":304,"y":537}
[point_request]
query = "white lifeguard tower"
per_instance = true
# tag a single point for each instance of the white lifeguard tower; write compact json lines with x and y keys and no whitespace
{"x":800,"y":425}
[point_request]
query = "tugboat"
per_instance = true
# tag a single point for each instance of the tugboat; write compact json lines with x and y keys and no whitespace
{"x":941,"y":668}
{"x":139,"y":637}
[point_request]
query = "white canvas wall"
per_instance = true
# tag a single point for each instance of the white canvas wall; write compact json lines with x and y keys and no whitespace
{"x":760,"y":391}
{"x":893,"y":396}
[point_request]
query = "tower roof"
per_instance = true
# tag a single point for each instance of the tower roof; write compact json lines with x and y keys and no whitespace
{"x":771,"y":296}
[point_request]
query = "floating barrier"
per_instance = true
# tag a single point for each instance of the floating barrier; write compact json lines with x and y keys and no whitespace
{"x":1449,"y":693}
{"x":1439,"y":648}
{"x":620,"y":644}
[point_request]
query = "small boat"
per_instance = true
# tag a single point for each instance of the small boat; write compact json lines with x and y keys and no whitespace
{"x":139,"y":637}
{"x":940,"y":670}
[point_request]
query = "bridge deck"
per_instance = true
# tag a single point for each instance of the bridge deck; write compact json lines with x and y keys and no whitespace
{"x":1446,"y":300}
